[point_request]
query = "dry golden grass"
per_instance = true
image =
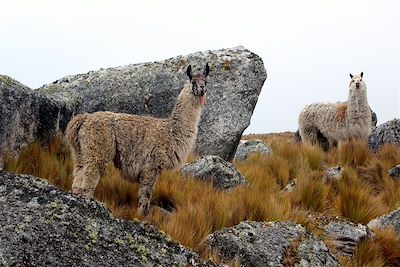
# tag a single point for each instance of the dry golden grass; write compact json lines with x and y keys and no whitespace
{"x":196,"y":209}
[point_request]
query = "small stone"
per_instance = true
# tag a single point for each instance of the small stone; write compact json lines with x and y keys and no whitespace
{"x":334,"y":173}
{"x":221,"y":173}
{"x":395,"y":172}
{"x":290,"y":186}
{"x":345,"y":236}
{"x":246,"y":148}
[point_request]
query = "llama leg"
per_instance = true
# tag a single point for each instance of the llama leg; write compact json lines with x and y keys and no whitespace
{"x":79,"y":175}
{"x":97,"y":144}
{"x":87,"y":179}
{"x":147,"y":180}
{"x":78,"y":172}
{"x":309,"y":135}
{"x":323,"y":142}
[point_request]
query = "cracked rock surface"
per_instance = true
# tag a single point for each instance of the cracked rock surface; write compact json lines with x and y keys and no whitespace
{"x":41,"y":225}
{"x":386,"y":133}
{"x":345,"y":235}
{"x":270,"y":244}
{"x":248,"y":147}
{"x":391,"y":219}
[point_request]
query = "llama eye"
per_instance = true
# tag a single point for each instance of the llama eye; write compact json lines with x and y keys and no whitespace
{"x":360,"y":80}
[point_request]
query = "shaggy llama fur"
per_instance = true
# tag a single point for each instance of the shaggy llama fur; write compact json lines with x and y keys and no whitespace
{"x":339,"y":121}
{"x":141,"y":147}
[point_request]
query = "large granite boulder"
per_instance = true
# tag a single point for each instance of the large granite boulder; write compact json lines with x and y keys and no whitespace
{"x":27,"y":115}
{"x":388,"y":220}
{"x":234,"y":83}
{"x":221,"y":173}
{"x":269,"y":244}
{"x":41,"y":225}
{"x":387,"y":133}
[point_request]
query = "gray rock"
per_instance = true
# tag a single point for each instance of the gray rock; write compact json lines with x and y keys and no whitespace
{"x":345,"y":236}
{"x":388,"y":220}
{"x":249,"y":147}
{"x":269,"y":244}
{"x":333,"y":173}
{"x":235,"y":81}
{"x":27,"y":115}
{"x":290,"y":186}
{"x":41,"y":225}
{"x":223,"y":174}
{"x":395,"y":172}
{"x":387,"y":133}
{"x":374,"y":119}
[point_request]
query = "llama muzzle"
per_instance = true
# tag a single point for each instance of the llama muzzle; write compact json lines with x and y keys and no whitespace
{"x":202,"y":100}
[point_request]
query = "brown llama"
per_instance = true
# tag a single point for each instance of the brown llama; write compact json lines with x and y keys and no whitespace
{"x":140,"y":146}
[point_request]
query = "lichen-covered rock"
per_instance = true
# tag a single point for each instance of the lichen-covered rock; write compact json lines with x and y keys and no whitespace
{"x":249,"y":147}
{"x":387,"y":133}
{"x":395,"y":172}
{"x":388,"y":220}
{"x":27,"y":115}
{"x":333,"y":173}
{"x":41,"y":225}
{"x":234,"y":83}
{"x":269,"y":244}
{"x":345,"y":235}
{"x":221,"y":173}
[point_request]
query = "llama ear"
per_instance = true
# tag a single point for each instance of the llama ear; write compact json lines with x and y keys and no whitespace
{"x":206,"y":70}
{"x":351,"y":75}
{"x":189,"y":72}
{"x":362,"y":74}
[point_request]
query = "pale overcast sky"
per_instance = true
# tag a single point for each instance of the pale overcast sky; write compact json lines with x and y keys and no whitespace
{"x":308,"y":47}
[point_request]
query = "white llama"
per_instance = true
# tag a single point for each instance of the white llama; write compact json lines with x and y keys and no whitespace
{"x":339,"y":121}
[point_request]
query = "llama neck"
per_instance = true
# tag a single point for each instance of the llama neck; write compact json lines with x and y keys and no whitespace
{"x":185,"y":118}
{"x":358,"y":104}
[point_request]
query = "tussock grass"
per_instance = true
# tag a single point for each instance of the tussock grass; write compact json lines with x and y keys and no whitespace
{"x":358,"y":204}
{"x":353,"y":153}
{"x":189,"y":210}
{"x":311,"y":193}
{"x":52,"y":162}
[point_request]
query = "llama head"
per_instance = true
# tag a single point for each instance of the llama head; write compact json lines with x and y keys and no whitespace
{"x":199,"y":82}
{"x":357,"y":82}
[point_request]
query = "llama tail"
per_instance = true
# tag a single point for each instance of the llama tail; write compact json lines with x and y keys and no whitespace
{"x":71,"y":133}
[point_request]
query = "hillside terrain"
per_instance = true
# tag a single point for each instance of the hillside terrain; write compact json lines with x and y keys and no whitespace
{"x":190,"y":210}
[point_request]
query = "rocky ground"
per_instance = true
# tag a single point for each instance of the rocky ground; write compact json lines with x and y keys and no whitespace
{"x":42,"y":225}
